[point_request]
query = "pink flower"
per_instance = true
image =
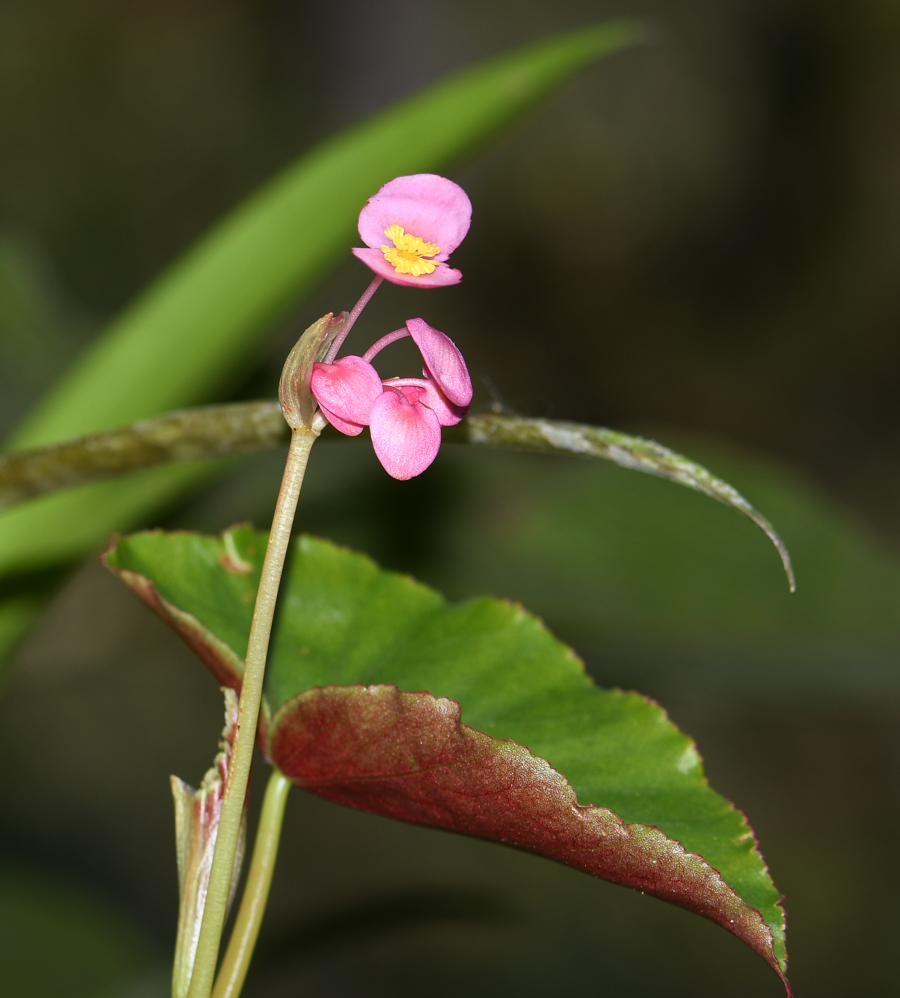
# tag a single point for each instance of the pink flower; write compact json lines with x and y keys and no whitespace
{"x":411,"y":226}
{"x":404,"y":415}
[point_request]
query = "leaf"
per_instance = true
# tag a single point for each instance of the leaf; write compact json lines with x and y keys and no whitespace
{"x":627,"y":451}
{"x":215,"y":430}
{"x":190,"y":335}
{"x":40,"y":331}
{"x":188,"y":435}
{"x":408,"y":756}
{"x":16,"y":615}
{"x":223,"y":599}
{"x":360,"y":635}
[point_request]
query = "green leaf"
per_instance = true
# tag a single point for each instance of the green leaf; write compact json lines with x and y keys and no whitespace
{"x":635,"y":453}
{"x":213,"y":430}
{"x":345,"y":625}
{"x":190,"y":335}
{"x":16,"y":616}
{"x":40,"y":331}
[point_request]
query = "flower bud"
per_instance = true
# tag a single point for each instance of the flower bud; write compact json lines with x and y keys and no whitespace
{"x":297,"y":401}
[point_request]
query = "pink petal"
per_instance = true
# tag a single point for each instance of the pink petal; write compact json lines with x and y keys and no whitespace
{"x":426,"y":205}
{"x":406,"y":436}
{"x":429,"y":394}
{"x":346,"y":389}
{"x":441,"y":277}
{"x":443,"y":360}
{"x":351,"y":429}
{"x":413,"y":393}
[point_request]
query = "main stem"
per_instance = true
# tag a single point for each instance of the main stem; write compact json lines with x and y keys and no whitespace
{"x":256,"y":891}
{"x":251,"y":695}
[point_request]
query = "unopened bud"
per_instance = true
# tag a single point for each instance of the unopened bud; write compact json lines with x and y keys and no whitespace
{"x":297,"y":401}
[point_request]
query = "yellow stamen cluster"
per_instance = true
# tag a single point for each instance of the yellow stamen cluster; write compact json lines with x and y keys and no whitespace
{"x":406,"y":255}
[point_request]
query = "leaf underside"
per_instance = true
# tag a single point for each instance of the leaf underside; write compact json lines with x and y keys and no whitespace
{"x":408,"y":756}
{"x":546,"y":761}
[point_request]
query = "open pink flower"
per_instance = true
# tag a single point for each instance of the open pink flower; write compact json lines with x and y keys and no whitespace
{"x":411,"y":226}
{"x":404,"y":415}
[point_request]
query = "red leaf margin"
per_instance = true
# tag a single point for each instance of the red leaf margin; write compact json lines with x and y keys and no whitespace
{"x":588,"y":838}
{"x":226,"y":666}
{"x":409,"y":756}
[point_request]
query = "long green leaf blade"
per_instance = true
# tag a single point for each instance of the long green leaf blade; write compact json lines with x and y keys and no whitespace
{"x":627,"y":451}
{"x":210,"y":431}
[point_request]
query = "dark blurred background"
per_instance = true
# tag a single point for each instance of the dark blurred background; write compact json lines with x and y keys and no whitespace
{"x":698,"y":240}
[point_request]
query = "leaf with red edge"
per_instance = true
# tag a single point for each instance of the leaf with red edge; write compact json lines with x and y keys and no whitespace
{"x":546,"y":761}
{"x":408,"y":756}
{"x":223,"y":584}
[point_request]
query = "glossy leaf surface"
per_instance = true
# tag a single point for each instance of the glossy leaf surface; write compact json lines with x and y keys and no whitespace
{"x":343,"y":622}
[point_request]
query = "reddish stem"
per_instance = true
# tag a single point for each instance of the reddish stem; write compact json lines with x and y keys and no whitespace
{"x":351,"y":318}
{"x":379,"y":345}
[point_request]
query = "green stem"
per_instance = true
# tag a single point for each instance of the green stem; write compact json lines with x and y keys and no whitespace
{"x":256,"y":890}
{"x":251,"y":696}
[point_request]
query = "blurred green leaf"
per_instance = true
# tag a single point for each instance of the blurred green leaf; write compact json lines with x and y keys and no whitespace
{"x":190,"y":335}
{"x":634,"y":453}
{"x":40,"y":331}
{"x":343,"y":621}
{"x":17,"y":614}
{"x":58,"y":939}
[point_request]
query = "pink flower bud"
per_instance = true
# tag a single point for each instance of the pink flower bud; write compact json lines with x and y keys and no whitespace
{"x":404,"y":415}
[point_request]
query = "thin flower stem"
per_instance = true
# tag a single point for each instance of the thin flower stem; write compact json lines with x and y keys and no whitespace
{"x":385,"y":340}
{"x":251,"y":695}
{"x":256,"y":891}
{"x":351,"y":318}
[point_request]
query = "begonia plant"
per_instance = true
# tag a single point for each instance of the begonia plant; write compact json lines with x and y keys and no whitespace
{"x":470,"y":718}
{"x":370,"y":689}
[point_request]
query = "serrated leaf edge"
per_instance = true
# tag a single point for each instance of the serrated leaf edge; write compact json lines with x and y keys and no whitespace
{"x":749,"y":925}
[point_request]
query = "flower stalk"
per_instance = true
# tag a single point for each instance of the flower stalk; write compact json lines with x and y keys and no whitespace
{"x":406,"y":436}
{"x":299,"y":408}
{"x":236,"y":962}
{"x":353,"y":315}
{"x":203,"y":975}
